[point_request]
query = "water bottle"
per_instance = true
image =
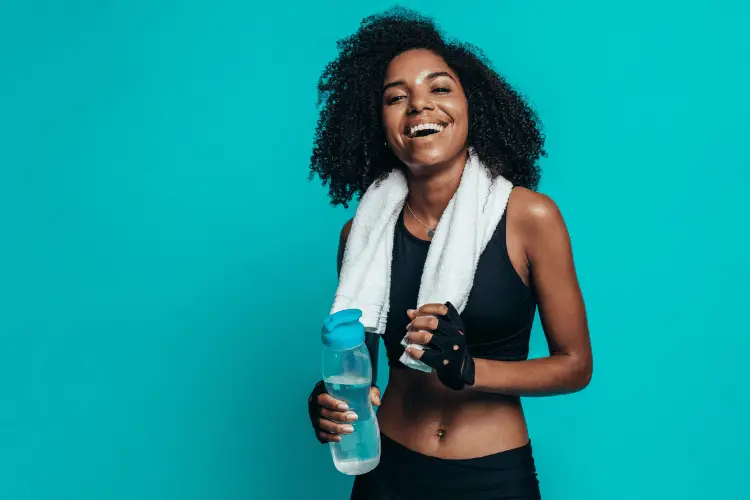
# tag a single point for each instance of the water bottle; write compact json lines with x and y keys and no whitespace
{"x":347,"y":374}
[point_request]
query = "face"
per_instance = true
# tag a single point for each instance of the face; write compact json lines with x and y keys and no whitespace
{"x":425,"y":111}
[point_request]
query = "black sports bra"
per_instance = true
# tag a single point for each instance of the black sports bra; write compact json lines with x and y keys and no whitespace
{"x":498,"y":315}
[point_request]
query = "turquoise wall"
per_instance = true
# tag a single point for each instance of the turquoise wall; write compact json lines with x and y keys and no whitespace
{"x":165,"y":263}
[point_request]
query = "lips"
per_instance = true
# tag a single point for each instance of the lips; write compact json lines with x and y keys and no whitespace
{"x":424,"y":129}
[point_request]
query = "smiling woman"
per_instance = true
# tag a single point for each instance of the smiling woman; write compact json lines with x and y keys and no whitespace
{"x":437,"y":123}
{"x":401,"y":97}
{"x":350,"y":151}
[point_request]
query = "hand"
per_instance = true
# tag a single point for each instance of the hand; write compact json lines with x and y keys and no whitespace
{"x":330,"y":417}
{"x":440,"y":327}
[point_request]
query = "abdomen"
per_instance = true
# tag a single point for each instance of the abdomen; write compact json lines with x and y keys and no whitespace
{"x":422,"y":414}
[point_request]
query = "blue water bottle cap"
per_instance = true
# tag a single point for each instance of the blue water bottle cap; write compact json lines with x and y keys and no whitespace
{"x":343,"y":330}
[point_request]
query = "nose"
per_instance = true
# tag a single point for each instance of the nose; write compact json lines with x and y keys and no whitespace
{"x":418,"y":103}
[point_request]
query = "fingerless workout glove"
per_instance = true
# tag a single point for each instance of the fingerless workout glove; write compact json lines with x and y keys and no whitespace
{"x":449,"y":355}
{"x":313,"y":408}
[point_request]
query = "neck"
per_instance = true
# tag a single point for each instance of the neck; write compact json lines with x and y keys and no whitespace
{"x":430,"y":193}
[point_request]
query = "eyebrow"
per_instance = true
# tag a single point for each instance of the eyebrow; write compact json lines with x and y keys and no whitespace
{"x":431,"y":76}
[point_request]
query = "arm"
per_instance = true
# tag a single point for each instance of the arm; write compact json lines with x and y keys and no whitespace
{"x":569,"y":366}
{"x":372,"y":340}
{"x":329,"y":419}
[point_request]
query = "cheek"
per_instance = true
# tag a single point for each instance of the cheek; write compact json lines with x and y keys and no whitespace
{"x":459,"y":110}
{"x":390,"y":122}
{"x":460,"y":113}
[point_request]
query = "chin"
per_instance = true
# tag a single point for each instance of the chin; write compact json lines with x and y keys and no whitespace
{"x":426,"y":160}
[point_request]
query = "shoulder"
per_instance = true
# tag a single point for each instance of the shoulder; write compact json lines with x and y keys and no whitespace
{"x":345,"y":232}
{"x":534,"y":214}
{"x":342,"y":244}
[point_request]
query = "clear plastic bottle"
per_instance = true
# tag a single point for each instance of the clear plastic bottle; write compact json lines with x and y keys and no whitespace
{"x":347,"y":374}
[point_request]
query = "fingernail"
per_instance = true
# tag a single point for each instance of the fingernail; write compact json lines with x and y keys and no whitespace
{"x":343,"y":407}
{"x":410,"y":312}
{"x":347,"y":428}
{"x":408,"y":326}
{"x":351,"y":416}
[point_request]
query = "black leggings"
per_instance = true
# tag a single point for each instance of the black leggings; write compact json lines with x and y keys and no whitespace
{"x":403,"y":474}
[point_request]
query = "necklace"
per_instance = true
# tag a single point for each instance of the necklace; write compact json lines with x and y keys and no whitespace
{"x":430,"y":230}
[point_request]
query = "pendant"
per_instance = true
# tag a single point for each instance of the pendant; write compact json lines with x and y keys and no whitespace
{"x":430,"y":233}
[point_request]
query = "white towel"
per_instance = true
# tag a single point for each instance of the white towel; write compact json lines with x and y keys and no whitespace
{"x":464,"y":229}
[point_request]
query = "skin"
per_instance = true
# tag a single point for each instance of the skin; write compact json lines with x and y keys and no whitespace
{"x":417,"y":410}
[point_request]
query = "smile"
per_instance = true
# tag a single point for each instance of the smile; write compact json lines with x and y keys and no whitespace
{"x":424,"y":129}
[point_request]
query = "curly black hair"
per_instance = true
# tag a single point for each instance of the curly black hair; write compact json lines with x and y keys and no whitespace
{"x":349,"y":151}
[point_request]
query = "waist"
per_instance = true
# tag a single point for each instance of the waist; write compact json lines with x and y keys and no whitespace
{"x":422,"y":414}
{"x":410,"y":474}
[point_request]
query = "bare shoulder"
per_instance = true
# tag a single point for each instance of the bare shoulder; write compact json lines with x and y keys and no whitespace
{"x":536,"y":214}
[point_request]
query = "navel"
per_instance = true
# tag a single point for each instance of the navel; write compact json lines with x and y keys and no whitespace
{"x":440,"y":432}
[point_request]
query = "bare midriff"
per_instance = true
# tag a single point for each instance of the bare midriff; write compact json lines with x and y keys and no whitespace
{"x":420,"y":413}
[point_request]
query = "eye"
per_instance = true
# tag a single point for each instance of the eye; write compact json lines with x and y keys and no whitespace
{"x":392,"y":100}
{"x":442,"y":90}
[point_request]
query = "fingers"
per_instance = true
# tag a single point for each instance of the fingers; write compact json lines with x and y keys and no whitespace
{"x":375,"y":396}
{"x":327,"y":401}
{"x":335,"y":427}
{"x":419,"y":337}
{"x":333,"y":409}
{"x":428,"y":309}
{"x":433,"y":359}
{"x":327,"y":437}
{"x":338,"y":416}
{"x":415,"y":353}
{"x":427,"y":323}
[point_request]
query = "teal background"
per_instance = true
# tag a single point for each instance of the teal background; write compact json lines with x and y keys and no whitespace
{"x":166,"y":264}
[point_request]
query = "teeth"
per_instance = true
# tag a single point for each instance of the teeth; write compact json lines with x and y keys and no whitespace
{"x":425,"y":126}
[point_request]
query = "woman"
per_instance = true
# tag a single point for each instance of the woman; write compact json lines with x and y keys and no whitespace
{"x":400,"y":96}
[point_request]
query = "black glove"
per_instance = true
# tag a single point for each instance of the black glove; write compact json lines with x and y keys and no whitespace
{"x":449,"y":355}
{"x":313,"y":408}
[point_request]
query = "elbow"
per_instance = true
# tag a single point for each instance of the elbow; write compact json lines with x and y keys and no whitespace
{"x":585,"y":378}
{"x":583,"y":371}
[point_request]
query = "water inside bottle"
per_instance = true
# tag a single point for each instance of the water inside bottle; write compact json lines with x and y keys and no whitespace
{"x":358,"y":452}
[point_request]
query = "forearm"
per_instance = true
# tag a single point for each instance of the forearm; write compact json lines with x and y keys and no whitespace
{"x":548,"y":376}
